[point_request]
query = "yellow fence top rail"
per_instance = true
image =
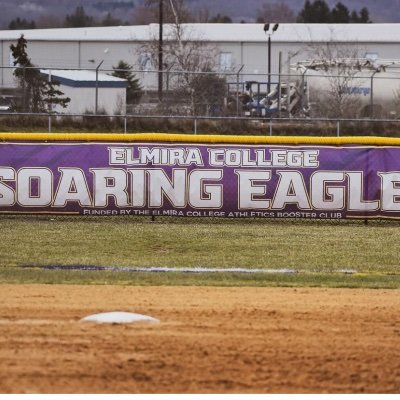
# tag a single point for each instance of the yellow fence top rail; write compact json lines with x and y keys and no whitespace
{"x":212,"y":139}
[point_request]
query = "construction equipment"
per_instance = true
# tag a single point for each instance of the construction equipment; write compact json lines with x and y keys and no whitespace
{"x":284,"y":99}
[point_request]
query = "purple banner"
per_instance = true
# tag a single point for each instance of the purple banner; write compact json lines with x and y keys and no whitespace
{"x":269,"y":181}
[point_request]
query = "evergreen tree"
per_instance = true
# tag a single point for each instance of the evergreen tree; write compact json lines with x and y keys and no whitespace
{"x":340,"y":14}
{"x":79,"y":19}
{"x":19,"y":23}
{"x":221,"y":19}
{"x":364,"y":16}
{"x":134,"y":90}
{"x":316,"y":12}
{"x":109,"y":20}
{"x":319,"y":12}
{"x":354,"y":17}
{"x":38,"y":94}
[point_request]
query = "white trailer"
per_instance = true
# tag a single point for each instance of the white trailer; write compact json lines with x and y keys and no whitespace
{"x":371,"y":86}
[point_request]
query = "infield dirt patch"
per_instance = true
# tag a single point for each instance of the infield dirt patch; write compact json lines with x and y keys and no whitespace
{"x":210,"y":340}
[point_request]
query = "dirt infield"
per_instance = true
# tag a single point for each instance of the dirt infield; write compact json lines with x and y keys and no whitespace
{"x":210,"y":340}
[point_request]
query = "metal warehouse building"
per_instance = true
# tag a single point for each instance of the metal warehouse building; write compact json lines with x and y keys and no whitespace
{"x":237,"y":46}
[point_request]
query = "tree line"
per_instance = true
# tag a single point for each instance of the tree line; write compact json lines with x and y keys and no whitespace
{"x":319,"y":12}
{"x":79,"y":18}
{"x":316,"y":11}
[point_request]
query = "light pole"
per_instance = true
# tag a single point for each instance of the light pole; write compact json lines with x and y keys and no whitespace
{"x":97,"y":87}
{"x":267,"y":32}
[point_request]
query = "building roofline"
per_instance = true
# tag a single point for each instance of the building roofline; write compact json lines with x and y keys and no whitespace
{"x":85,"y":78}
{"x":377,"y":33}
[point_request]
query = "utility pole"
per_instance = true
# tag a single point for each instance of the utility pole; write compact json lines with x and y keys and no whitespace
{"x":160,"y":50}
{"x":269,"y":63}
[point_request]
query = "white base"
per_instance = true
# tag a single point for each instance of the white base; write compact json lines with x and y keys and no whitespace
{"x":119,"y":317}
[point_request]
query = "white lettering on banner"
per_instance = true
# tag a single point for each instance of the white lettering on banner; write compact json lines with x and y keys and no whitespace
{"x":291,"y":189}
{"x":196,"y":188}
{"x":161,"y":185}
{"x":154,"y":156}
{"x":34,"y":187}
{"x":72,"y":186}
{"x":355,"y":194}
{"x":138,"y":187}
{"x":217,"y":157}
{"x":7,"y":195}
{"x":390,"y":188}
{"x":251,"y":190}
{"x":109,"y":183}
{"x":261,"y":158}
{"x":199,"y":188}
{"x":325,"y":196}
{"x":203,"y":194}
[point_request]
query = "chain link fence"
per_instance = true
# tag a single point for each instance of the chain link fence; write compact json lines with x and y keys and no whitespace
{"x":307,"y":103}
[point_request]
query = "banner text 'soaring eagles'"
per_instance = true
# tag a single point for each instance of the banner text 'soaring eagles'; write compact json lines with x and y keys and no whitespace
{"x":200,"y":180}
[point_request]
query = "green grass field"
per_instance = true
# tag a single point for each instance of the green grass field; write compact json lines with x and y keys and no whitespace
{"x":319,"y":252}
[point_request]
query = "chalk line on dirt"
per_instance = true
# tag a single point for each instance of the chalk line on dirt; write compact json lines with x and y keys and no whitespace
{"x":199,"y":270}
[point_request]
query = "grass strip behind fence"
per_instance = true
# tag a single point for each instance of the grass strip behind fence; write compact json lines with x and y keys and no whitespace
{"x":329,"y":280}
{"x":316,"y":250}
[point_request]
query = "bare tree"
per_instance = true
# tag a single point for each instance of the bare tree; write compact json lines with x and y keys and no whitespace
{"x":275,"y":12}
{"x":333,"y":79}
{"x":192,"y":62}
{"x":144,"y":15}
{"x":202,"y":15}
{"x":49,"y":21}
{"x":149,"y":12}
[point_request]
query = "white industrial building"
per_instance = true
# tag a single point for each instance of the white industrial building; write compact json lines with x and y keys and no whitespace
{"x":238,"y":47}
{"x":90,"y":92}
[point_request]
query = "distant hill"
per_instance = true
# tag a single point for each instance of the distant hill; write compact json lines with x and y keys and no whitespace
{"x":238,"y":10}
{"x":380,"y":11}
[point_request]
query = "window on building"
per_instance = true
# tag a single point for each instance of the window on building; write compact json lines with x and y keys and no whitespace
{"x":225,"y":61}
{"x":145,"y":62}
{"x":371,"y":56}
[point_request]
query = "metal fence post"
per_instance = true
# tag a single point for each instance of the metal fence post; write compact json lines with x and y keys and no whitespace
{"x":195,"y":126}
{"x":270,"y":127}
{"x":168,"y":77}
{"x":125,"y":124}
{"x":372,"y":114}
{"x":280,"y":84}
{"x":237,"y":89}
{"x":50,"y":105}
{"x":338,"y":128}
{"x":23,"y":89}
